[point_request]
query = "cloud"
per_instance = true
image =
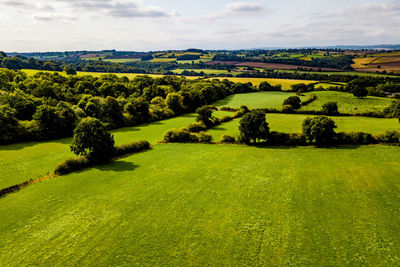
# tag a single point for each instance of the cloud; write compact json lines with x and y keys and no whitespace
{"x":67,"y":10}
{"x":244,"y":7}
{"x":238,"y":9}
{"x":369,"y":23}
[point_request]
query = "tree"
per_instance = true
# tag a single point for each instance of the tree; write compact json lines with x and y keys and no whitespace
{"x":70,"y":71}
{"x":93,"y":141}
{"x":265,"y":86}
{"x":253,"y":126}
{"x":359,"y":91}
{"x":204,"y":114}
{"x":294,"y":101}
{"x":8,"y":124}
{"x":319,"y":130}
{"x":174,"y":101}
{"x":394,"y":109}
{"x":50,"y":124}
{"x":330,"y":108}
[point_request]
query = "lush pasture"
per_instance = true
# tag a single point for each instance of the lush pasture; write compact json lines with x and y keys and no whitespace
{"x":255,"y":100}
{"x":21,"y":162}
{"x":213,"y":205}
{"x":122,"y":60}
{"x":347,"y":103}
{"x":292,"y":123}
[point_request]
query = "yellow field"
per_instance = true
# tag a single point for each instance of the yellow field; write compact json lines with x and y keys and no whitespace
{"x":163,"y":59}
{"x":286,"y":83}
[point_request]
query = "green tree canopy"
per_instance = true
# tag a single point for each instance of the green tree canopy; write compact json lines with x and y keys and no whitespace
{"x":319,"y":130}
{"x":253,"y":126}
{"x":92,"y":140}
{"x":293,"y":101}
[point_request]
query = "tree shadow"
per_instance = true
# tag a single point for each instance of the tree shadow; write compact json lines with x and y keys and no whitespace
{"x":117,"y":166}
{"x":19,"y":146}
{"x":265,"y":146}
{"x":224,"y":101}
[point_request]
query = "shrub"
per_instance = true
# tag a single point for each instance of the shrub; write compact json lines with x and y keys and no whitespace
{"x":285,"y":139}
{"x":180,"y":136}
{"x":354,"y":138}
{"x":287,"y":109}
{"x":228,"y":109}
{"x":226,"y":119}
{"x":131,"y":148}
{"x":330,"y":108}
{"x":227,"y":139}
{"x":205,"y":138}
{"x":72,"y":165}
{"x":390,"y":137}
{"x":294,"y":101}
{"x":312,"y":98}
{"x":196,"y":127}
{"x":204,"y":115}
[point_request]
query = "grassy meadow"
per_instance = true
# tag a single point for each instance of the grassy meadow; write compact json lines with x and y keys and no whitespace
{"x":213,"y":205}
{"x":347,"y":103}
{"x":255,"y":100}
{"x":21,"y":162}
{"x":292,"y":123}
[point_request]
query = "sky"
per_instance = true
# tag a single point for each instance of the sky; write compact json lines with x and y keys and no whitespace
{"x":151,"y":25}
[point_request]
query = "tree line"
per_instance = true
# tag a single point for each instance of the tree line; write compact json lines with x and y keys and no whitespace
{"x":49,"y":105}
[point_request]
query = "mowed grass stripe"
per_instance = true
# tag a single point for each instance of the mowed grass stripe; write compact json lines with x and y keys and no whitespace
{"x":213,"y":205}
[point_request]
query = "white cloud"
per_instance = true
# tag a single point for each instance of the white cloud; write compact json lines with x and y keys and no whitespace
{"x":233,"y":10}
{"x":66,"y":10}
{"x":244,"y":7}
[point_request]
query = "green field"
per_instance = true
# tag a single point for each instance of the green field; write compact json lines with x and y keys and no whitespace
{"x":122,"y":60}
{"x":255,"y":100}
{"x":292,"y":123}
{"x":347,"y":103}
{"x":20,"y":162}
{"x":181,"y":205}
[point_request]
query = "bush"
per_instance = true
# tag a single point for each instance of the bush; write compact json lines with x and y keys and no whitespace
{"x":226,"y":119}
{"x":72,"y":165}
{"x":287,"y":109}
{"x":180,"y":136}
{"x":227,"y":139}
{"x":330,"y":108}
{"x":354,"y":138}
{"x":285,"y":139}
{"x":205,"y":138}
{"x":294,"y":101}
{"x":312,"y":98}
{"x":228,"y":109}
{"x":131,"y":148}
{"x":390,"y":137}
{"x":196,"y":127}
